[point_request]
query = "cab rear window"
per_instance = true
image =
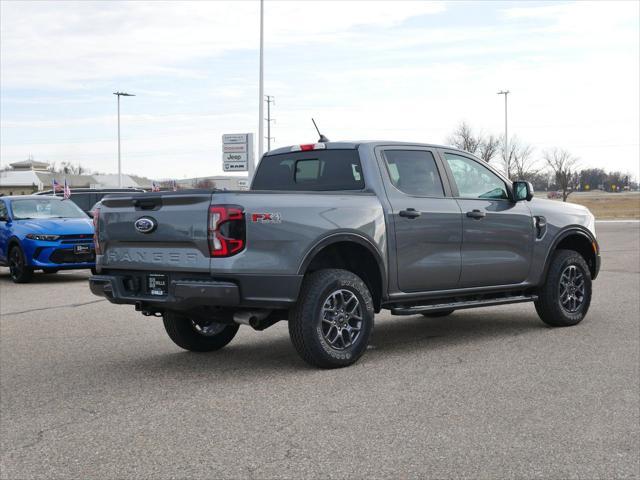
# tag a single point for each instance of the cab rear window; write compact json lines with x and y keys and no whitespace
{"x":316,"y":170}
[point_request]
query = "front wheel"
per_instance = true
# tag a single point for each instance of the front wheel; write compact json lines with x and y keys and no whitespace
{"x":197,"y":336}
{"x":565,"y":297}
{"x":331,"y":324}
{"x":19,"y":271}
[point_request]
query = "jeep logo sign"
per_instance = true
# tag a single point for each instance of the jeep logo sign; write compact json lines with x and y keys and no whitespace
{"x":145,"y":225}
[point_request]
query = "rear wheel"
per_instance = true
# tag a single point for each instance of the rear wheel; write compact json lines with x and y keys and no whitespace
{"x":331,"y":324}
{"x":198,"y":336}
{"x":19,"y":271}
{"x":441,"y":313}
{"x":565,"y":297}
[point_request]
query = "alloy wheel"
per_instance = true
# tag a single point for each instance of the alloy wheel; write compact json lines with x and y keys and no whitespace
{"x":16,"y":263}
{"x":341,"y":319}
{"x":571,"y":290}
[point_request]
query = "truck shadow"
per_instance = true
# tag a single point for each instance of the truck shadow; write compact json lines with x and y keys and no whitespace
{"x":273,"y":353}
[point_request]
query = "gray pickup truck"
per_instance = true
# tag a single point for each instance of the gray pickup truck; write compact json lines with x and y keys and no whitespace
{"x":331,"y":233}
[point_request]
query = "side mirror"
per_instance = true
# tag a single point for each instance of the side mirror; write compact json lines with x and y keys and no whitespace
{"x":522,"y":191}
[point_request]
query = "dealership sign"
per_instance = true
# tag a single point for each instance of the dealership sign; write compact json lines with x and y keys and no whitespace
{"x":237,"y":152}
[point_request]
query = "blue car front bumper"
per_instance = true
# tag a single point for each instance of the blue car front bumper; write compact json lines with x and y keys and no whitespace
{"x":66,"y":253}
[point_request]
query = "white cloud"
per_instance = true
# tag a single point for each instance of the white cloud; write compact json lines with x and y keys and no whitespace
{"x":572,"y":69}
{"x":66,"y":44}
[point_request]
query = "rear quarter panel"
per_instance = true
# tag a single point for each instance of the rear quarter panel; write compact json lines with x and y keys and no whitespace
{"x":300,"y":220}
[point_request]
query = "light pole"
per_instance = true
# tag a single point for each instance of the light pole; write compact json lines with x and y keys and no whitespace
{"x":261,"y":86}
{"x":269,"y":99}
{"x":506,"y":131}
{"x":120,"y":94}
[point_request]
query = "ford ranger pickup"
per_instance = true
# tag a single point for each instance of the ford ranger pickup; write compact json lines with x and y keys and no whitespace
{"x":333,"y":232}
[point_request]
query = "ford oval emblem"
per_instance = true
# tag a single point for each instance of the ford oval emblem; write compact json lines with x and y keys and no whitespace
{"x":145,"y":225}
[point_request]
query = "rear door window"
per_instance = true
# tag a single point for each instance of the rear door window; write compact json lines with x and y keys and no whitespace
{"x":414,"y":172}
{"x":317,"y":170}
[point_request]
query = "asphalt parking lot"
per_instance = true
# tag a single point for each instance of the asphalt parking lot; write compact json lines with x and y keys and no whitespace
{"x":93,"y":390}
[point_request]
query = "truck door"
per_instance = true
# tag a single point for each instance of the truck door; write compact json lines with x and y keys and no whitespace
{"x":497,"y":233}
{"x":428,"y":223}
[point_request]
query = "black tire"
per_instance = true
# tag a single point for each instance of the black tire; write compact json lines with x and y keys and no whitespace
{"x":50,"y":270}
{"x":94,"y":271}
{"x":311,"y":336}
{"x":19,"y":271}
{"x":441,"y":313}
{"x":185,"y":333}
{"x":558,"y":309}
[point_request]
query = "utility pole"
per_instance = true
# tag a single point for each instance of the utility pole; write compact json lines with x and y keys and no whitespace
{"x":269,"y":99}
{"x":261,"y":86}
{"x":120,"y":94}
{"x":506,"y":132}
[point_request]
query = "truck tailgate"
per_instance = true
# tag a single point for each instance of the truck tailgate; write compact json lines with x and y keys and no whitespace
{"x":177,"y":236}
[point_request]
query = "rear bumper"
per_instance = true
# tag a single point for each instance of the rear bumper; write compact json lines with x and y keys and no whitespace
{"x":185,"y":292}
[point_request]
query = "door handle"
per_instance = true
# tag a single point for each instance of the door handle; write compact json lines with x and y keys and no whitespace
{"x":477,"y":214}
{"x":409,"y":213}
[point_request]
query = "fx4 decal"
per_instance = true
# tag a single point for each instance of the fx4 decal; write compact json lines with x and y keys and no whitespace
{"x":266,"y":218}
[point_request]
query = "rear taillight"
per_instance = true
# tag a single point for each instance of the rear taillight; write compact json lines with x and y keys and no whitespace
{"x":96,"y":231}
{"x":226,"y":232}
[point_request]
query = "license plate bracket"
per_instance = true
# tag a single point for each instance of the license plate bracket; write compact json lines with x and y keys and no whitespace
{"x":81,"y":249}
{"x":157,"y":284}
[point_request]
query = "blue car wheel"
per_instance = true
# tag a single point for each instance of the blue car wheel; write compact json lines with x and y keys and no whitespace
{"x":19,"y":271}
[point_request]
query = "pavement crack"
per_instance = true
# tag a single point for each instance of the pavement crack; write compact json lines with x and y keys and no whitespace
{"x":70,"y":305}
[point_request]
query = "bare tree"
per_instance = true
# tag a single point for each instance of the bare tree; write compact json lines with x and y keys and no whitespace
{"x":524,"y":165}
{"x":563,"y":166}
{"x":519,"y":161}
{"x":489,"y":146}
{"x":464,"y":138}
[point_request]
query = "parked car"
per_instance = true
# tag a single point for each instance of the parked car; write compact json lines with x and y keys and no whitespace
{"x":43,"y":233}
{"x":85,"y":198}
{"x":332,"y":233}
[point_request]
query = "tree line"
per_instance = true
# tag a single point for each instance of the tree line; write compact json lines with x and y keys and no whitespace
{"x":554,"y":169}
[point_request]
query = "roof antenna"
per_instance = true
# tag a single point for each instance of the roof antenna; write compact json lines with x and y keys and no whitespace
{"x":322,"y":138}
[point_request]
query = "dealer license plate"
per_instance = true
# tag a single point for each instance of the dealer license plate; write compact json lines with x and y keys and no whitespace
{"x":157,"y":284}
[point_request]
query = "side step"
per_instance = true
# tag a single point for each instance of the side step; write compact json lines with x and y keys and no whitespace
{"x":460,"y":304}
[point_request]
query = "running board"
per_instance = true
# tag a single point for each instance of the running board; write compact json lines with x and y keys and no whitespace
{"x":459,"y":305}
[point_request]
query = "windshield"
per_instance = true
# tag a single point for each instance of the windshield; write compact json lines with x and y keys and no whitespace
{"x":45,"y":208}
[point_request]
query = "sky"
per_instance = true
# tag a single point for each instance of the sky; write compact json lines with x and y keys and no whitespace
{"x":388,"y":70}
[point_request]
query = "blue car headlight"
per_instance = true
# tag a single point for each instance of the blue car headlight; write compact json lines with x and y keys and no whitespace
{"x":39,"y":236}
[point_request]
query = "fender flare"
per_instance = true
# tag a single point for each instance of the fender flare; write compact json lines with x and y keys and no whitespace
{"x":352,"y":238}
{"x":568,"y":231}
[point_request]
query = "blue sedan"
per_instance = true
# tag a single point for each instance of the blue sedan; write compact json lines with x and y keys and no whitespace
{"x":43,"y":233}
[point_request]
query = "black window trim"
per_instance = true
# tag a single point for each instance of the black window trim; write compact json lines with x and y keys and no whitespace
{"x":444,"y":179}
{"x":364,"y":189}
{"x":454,"y":186}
